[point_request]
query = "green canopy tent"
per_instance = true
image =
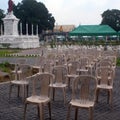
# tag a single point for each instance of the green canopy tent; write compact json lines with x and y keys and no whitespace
{"x":93,"y":30}
{"x":119,"y":33}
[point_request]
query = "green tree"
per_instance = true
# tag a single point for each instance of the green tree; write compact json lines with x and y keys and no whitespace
{"x":33,"y":12}
{"x":2,"y":15}
{"x":111,"y":18}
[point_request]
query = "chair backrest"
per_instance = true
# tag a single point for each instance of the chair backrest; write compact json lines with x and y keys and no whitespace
{"x":113,"y":59}
{"x":21,"y":61}
{"x":72,"y":67}
{"x":105,"y":75}
{"x":48,"y":66}
{"x":84,"y":88}
{"x":26,"y":70}
{"x":84,"y":62}
{"x":60,"y":59}
{"x":109,"y":53}
{"x":60,"y":73}
{"x":39,"y":61}
{"x":104,"y":63}
{"x":41,"y":83}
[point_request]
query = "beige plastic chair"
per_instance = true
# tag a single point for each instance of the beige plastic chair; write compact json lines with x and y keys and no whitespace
{"x":113,"y":59}
{"x":83,"y":95}
{"x":105,"y":77}
{"x":72,"y":66}
{"x":84,"y":65}
{"x":22,"y":81}
{"x":104,"y":62}
{"x":47,"y":66}
{"x":60,"y":80}
{"x":41,"y":96}
{"x":17,"y":71}
{"x":39,"y":62}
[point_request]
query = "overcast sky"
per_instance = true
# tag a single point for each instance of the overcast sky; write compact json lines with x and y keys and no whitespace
{"x":74,"y":11}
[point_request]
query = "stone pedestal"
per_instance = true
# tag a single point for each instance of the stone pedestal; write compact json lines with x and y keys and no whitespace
{"x":11,"y":38}
{"x":23,"y":42}
{"x":10,"y":24}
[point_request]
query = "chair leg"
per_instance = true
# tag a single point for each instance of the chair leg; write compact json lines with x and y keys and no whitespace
{"x":25,"y":108}
{"x":38,"y":111}
{"x":97,"y":95}
{"x":69,"y":110}
{"x":10,"y":91}
{"x":49,"y":107}
{"x":18,"y":94}
{"x":41,"y":111}
{"x":64,"y":95}
{"x":110,"y":100}
{"x":53,"y":93}
{"x":69,"y":83}
{"x":27,"y":87}
{"x":91,"y":113}
{"x":76,"y":113}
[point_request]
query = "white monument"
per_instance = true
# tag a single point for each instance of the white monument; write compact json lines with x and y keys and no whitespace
{"x":10,"y":36}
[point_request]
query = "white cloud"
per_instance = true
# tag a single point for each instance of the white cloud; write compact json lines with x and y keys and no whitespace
{"x":75,"y":11}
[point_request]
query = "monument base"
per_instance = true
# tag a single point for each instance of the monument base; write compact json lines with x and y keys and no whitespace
{"x":22,"y":41}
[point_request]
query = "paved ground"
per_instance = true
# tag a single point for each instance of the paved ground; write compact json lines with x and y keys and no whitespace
{"x":13,"y":109}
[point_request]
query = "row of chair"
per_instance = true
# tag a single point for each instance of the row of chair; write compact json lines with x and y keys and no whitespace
{"x":102,"y":79}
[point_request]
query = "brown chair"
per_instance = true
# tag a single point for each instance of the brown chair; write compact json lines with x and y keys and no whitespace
{"x":84,"y":65}
{"x":105,"y":77}
{"x":17,"y":71}
{"x":83,"y":95}
{"x":41,"y":96}
{"x":60,"y":80}
{"x":21,"y":81}
{"x":104,"y":63}
{"x":72,"y":66}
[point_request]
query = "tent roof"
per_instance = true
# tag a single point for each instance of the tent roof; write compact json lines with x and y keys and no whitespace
{"x":93,"y":30}
{"x":118,"y":32}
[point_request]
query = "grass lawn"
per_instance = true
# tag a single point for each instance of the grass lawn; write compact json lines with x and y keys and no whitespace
{"x":4,"y":52}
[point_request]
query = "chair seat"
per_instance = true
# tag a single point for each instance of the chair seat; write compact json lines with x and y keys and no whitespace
{"x":38,"y":99}
{"x":104,"y":86}
{"x":82,"y":70}
{"x":58,"y":85}
{"x":35,"y":66}
{"x":19,"y":71}
{"x":20,"y":82}
{"x":82,"y":103}
{"x":71,"y":75}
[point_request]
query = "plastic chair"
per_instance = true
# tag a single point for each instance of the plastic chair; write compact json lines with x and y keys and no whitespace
{"x":84,"y":65}
{"x":105,"y":77}
{"x":17,"y":71}
{"x":22,"y":80}
{"x":60,"y":80}
{"x":72,"y":66}
{"x":41,"y":96}
{"x":83,"y":95}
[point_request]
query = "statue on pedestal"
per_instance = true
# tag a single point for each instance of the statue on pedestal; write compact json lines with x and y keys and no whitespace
{"x":10,"y":6}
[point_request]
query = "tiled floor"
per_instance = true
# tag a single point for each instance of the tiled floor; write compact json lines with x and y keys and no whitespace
{"x":13,"y":109}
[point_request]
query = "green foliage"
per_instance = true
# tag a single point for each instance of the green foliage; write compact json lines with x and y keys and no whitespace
{"x":111,"y":18}
{"x":118,"y":62}
{"x":36,"y":13}
{"x":2,"y":15}
{"x":5,"y":67}
{"x":52,"y":44}
{"x":5,"y":52}
{"x":5,"y":45}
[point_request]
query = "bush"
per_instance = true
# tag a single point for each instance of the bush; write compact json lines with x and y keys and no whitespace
{"x":5,"y":67}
